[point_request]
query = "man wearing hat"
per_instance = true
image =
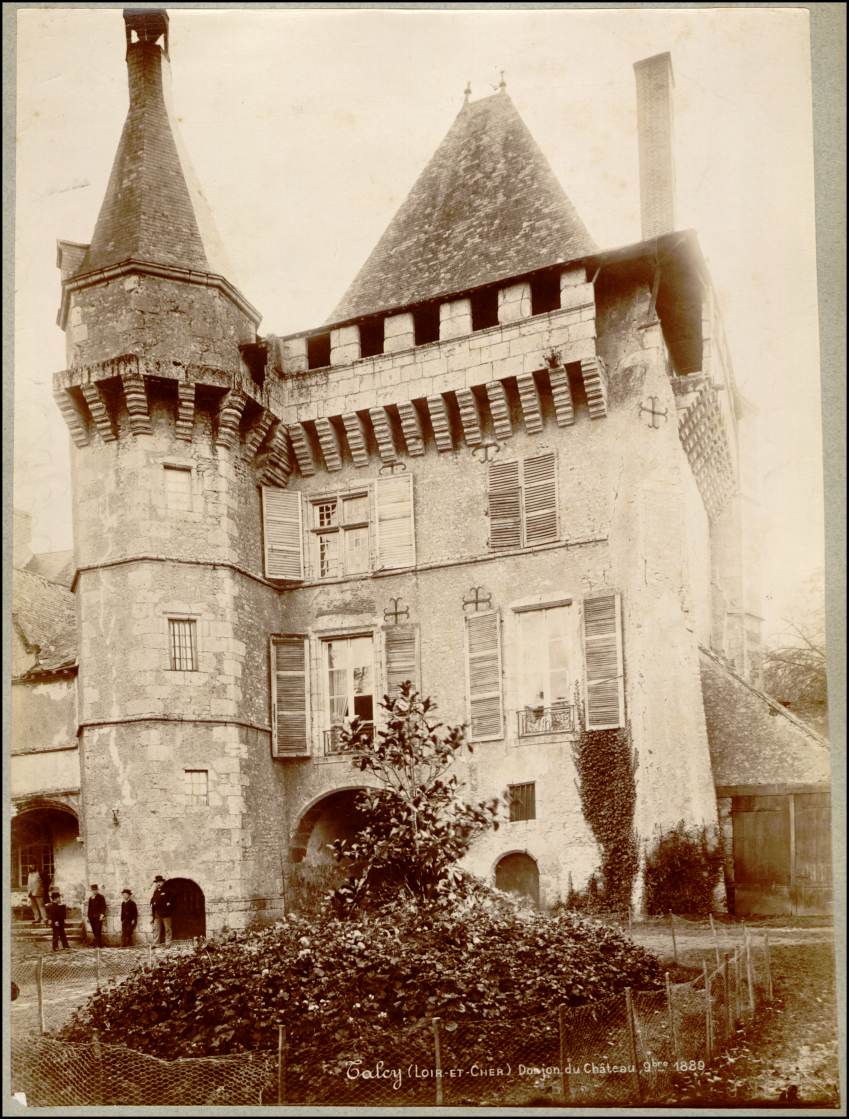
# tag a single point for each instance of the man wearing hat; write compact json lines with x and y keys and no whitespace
{"x":96,"y":914}
{"x":161,"y":908}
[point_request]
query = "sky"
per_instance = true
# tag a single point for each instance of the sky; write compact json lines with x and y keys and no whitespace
{"x":307,"y":128}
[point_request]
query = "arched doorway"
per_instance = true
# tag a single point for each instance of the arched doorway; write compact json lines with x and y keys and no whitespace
{"x":313,"y":871}
{"x":45,"y":835}
{"x":518,"y":873}
{"x":188,"y":918}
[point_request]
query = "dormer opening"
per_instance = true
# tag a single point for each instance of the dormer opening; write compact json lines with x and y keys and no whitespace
{"x":371,"y":337}
{"x":484,"y":308}
{"x":318,"y":351}
{"x":426,"y":323}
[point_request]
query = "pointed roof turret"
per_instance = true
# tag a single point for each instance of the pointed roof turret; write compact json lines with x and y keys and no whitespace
{"x":153,"y":210}
{"x":486,"y":207}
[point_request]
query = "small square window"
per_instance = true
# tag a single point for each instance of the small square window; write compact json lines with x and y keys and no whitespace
{"x":523,"y":802}
{"x":182,"y":642}
{"x":325,"y":514}
{"x":178,"y":487}
{"x":196,"y":787}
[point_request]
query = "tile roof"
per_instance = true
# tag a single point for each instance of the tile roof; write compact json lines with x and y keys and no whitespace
{"x":45,"y":617}
{"x":486,"y":207}
{"x":57,"y":567}
{"x":753,"y":739}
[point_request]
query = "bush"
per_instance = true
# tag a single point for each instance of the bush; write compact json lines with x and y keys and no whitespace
{"x":682,"y":871}
{"x":354,"y":983}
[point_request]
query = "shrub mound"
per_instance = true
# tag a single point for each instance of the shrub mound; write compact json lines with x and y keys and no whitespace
{"x":340,"y":985}
{"x":682,"y":871}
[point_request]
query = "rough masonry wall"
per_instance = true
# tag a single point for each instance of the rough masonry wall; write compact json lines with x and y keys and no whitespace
{"x":44,"y":714}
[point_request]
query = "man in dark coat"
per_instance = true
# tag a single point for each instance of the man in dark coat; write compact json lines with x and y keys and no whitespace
{"x":129,"y":918}
{"x":96,"y":914}
{"x":161,"y":908}
{"x":56,"y":914}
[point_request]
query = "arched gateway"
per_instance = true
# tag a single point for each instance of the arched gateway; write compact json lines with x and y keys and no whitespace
{"x":518,"y":873}
{"x":312,"y":870}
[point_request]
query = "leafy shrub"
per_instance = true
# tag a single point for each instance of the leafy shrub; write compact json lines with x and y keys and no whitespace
{"x":352,"y":984}
{"x":682,"y":871}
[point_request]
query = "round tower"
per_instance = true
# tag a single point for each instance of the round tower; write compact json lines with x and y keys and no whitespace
{"x":174,"y":430}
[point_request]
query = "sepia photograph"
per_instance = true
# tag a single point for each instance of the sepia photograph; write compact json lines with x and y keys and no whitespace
{"x":418,"y":692}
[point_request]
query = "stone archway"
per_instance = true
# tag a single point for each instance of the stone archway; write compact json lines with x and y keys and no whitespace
{"x":45,"y":834}
{"x":188,"y":918}
{"x":518,"y":873}
{"x":312,"y":870}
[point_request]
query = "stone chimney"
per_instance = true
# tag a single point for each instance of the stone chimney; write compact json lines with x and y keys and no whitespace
{"x":655,"y":84}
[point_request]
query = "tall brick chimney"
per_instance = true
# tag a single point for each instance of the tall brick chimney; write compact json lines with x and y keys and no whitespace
{"x":655,"y":84}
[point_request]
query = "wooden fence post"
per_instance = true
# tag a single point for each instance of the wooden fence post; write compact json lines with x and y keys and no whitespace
{"x":437,"y":1061}
{"x":738,"y":998}
{"x":39,"y":984}
{"x":281,"y":1064}
{"x":632,"y":1041}
{"x":98,"y":1059}
{"x":726,"y":993}
{"x":708,"y":1012}
{"x":561,"y":1029}
{"x":715,"y":939}
{"x":672,"y":1028}
{"x":750,"y":975}
{"x":768,"y":965}
{"x":674,"y":942}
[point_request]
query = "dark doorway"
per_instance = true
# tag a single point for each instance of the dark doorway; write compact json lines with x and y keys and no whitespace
{"x":188,"y":919}
{"x":518,"y":874}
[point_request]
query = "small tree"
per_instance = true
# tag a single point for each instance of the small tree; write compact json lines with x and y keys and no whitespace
{"x":414,"y":825}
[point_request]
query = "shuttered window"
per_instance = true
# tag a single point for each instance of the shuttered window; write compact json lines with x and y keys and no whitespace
{"x":483,"y":668}
{"x":523,"y":502}
{"x":289,"y":696}
{"x":401,"y":648}
{"x":605,"y":681}
{"x":282,"y":533}
{"x":396,"y":538}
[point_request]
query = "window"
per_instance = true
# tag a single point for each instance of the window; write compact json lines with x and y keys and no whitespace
{"x":484,"y":308}
{"x":371,"y":337}
{"x":340,"y":527}
{"x":182,"y":640}
{"x":523,"y":802}
{"x":349,"y":675}
{"x":546,"y":675}
{"x":178,"y":487}
{"x":545,"y":293}
{"x":282,"y":533}
{"x":604,"y":666}
{"x":39,"y":855}
{"x":197,"y":787}
{"x":426,"y":323}
{"x":318,"y":351}
{"x":483,"y":671}
{"x":289,"y":696}
{"x":523,"y":502}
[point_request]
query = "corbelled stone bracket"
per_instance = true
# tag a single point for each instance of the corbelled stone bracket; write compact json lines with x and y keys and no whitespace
{"x":185,"y":410}
{"x":499,"y":408}
{"x":99,"y":412}
{"x":411,"y":425}
{"x":470,"y":417}
{"x":303,"y":450}
{"x":278,"y":459}
{"x":595,"y":386}
{"x":357,"y":436}
{"x":73,"y":416}
{"x":704,"y":439}
{"x":531,"y":404}
{"x":256,"y":433}
{"x":331,"y":447}
{"x":135,"y":395}
{"x":229,"y":417}
{"x":440,"y":421}
{"x":383,"y":434}
{"x":561,"y":395}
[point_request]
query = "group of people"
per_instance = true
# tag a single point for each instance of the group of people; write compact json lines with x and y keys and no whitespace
{"x":55,"y":913}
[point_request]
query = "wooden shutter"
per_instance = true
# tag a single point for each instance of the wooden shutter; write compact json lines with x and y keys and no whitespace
{"x":401,"y":647}
{"x":396,"y":536}
{"x":505,"y":506}
{"x":605,"y":680}
{"x":540,"y":499}
{"x":483,"y":668}
{"x":289,"y":696}
{"x":282,"y":533}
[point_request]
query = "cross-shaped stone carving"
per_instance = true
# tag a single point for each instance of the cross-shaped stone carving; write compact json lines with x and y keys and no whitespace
{"x":486,"y":451}
{"x":654,"y":412}
{"x":396,"y":614}
{"x":393,"y":468}
{"x":477,"y":598}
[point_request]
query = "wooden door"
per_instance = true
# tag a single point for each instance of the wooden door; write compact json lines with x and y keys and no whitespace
{"x":811,"y":886}
{"x":188,"y":917}
{"x":762,"y":849}
{"x":518,"y":874}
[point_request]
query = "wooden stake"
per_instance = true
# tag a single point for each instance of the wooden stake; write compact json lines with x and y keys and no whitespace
{"x":672,"y":1030}
{"x":632,"y":1041}
{"x":39,"y":983}
{"x":674,"y":942}
{"x":750,"y":976}
{"x":767,"y":964}
{"x":726,"y":990}
{"x":715,"y":939}
{"x":561,"y":1028}
{"x":437,"y":1061}
{"x":708,"y":1012}
{"x":281,"y":1064}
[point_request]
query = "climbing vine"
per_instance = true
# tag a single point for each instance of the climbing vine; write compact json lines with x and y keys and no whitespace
{"x":606,"y":765}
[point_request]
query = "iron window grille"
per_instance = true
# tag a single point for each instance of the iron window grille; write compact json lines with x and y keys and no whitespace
{"x":523,"y":802}
{"x":182,"y":634}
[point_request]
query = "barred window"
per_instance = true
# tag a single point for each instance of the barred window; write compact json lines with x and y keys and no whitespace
{"x":523,"y":802}
{"x":197,"y":787}
{"x":182,"y":634}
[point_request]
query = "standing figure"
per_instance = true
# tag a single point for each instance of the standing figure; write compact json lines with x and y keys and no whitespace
{"x":161,"y":908}
{"x":96,"y":914}
{"x":57,"y":912}
{"x":129,"y":918}
{"x":35,"y":893}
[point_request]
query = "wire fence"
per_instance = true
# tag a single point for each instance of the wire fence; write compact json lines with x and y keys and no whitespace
{"x":632,"y":1048}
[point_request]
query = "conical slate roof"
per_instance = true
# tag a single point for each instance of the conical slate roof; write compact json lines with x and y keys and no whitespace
{"x":153,"y":210}
{"x":486,"y":207}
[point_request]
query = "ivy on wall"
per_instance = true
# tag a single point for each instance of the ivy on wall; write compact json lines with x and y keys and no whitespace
{"x":606,"y":765}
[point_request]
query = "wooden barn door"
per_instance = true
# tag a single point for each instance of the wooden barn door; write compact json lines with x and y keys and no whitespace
{"x":761,"y":854}
{"x":811,"y":885}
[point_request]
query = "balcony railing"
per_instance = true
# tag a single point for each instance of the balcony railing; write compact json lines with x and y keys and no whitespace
{"x":333,"y":738}
{"x":561,"y":718}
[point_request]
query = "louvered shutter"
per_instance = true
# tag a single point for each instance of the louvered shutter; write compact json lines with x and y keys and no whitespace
{"x":483,"y":668}
{"x":289,"y":696}
{"x":505,"y":506}
{"x":402,"y":661}
{"x":396,"y":537}
{"x":605,"y":680}
{"x":282,"y":533}
{"x":540,"y":499}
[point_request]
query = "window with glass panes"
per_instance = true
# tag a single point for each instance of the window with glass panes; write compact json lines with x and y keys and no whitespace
{"x":544,"y":657}
{"x":196,"y":787}
{"x":182,"y":640}
{"x":349,"y":672}
{"x":340,"y":529}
